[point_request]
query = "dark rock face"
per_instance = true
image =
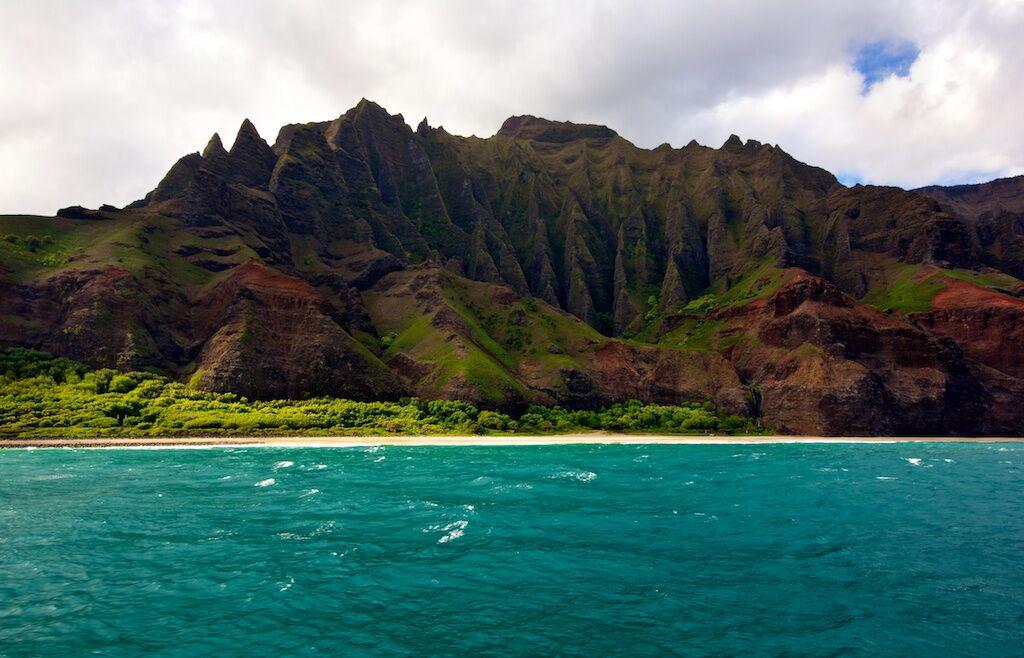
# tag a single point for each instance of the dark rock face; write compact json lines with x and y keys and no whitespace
{"x":265,"y":334}
{"x":358,"y":257}
{"x":829,"y":365}
{"x":995,"y":213}
{"x":78,"y":212}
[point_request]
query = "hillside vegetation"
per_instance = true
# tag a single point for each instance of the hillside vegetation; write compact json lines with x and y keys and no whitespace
{"x":44,"y":396}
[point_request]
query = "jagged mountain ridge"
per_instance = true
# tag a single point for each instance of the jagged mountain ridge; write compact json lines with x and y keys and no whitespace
{"x":243,"y":263}
{"x":572,"y":214}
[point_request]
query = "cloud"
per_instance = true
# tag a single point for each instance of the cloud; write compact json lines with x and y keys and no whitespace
{"x":102,"y":96}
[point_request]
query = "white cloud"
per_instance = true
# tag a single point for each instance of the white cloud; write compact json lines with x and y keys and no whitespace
{"x":101,"y":97}
{"x":954,"y":117}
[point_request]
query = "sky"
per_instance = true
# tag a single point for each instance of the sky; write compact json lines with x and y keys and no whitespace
{"x":101,"y":97}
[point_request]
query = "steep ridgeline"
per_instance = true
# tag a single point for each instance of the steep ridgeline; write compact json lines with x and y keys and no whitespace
{"x":554,"y":263}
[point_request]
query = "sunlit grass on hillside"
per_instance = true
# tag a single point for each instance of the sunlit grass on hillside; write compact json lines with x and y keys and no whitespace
{"x":914,"y":287}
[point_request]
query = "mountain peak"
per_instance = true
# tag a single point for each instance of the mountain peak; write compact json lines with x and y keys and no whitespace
{"x":734,"y":143}
{"x":214,"y":147}
{"x":246,"y":133}
{"x":252,"y":159}
{"x":368,"y":108}
{"x":544,"y":130}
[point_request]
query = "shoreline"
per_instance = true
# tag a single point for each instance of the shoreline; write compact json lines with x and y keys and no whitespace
{"x":594,"y":438}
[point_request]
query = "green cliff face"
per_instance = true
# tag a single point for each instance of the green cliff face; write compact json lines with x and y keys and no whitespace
{"x":553,"y":262}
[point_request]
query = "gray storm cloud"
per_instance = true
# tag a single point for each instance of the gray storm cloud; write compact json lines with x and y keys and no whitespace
{"x":101,"y":97}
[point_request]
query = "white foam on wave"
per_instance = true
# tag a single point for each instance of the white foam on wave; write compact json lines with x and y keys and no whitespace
{"x":884,"y":477}
{"x":283,"y":464}
{"x":323,"y":529}
{"x":454,"y":530}
{"x":379,"y":459}
{"x":225,"y":477}
{"x":269,"y":482}
{"x":502,"y":488}
{"x":308,"y":493}
{"x":579,"y":476}
{"x":915,"y":461}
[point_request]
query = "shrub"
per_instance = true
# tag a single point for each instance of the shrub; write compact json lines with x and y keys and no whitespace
{"x":492,"y":420}
{"x":121,"y":384}
{"x":702,"y":304}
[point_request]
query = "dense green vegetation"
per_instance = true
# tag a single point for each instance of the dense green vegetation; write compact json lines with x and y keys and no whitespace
{"x":45,"y":396}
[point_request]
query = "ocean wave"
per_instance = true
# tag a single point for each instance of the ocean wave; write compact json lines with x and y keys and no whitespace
{"x":914,"y":461}
{"x":323,"y":529}
{"x":308,"y":493}
{"x":283,"y":464}
{"x":454,"y":530}
{"x":502,"y":488}
{"x":884,"y":477}
{"x":266,"y":483}
{"x":579,"y":476}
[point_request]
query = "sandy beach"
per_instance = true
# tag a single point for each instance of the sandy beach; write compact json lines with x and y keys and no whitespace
{"x":469,"y":440}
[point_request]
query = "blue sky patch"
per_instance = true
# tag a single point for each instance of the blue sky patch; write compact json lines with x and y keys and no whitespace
{"x":878,"y":60}
{"x":849,"y":179}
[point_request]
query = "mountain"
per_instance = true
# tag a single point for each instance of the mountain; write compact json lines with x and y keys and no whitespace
{"x":551,"y":263}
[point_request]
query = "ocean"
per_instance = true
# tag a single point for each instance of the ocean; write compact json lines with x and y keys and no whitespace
{"x":592,"y":550}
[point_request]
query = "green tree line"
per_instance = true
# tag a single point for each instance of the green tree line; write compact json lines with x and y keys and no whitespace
{"x":46,"y":396}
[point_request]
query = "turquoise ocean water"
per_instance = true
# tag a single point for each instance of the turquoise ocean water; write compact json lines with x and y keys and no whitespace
{"x":906,"y":549}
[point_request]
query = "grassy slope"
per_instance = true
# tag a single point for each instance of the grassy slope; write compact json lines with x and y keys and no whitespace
{"x":911,"y":288}
{"x":695,"y":326}
{"x":497,"y":345}
{"x":37,"y":247}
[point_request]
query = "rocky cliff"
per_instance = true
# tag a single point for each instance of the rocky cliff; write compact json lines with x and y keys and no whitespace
{"x":553,"y":262}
